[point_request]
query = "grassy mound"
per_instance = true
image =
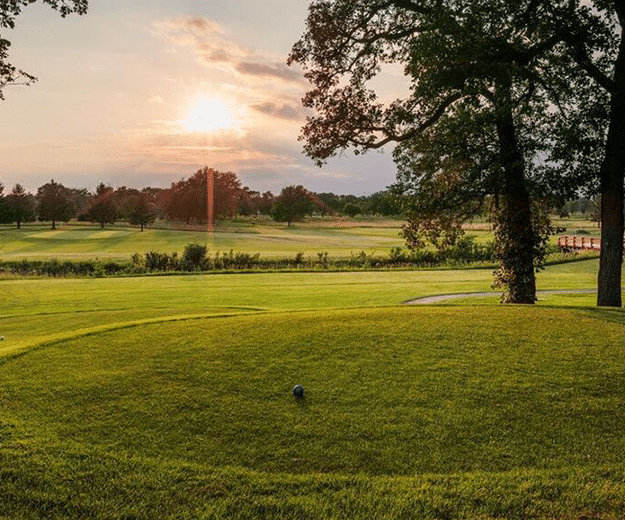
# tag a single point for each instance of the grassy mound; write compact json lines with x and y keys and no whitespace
{"x":438,"y":412}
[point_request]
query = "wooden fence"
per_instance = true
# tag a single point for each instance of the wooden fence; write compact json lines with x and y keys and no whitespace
{"x":569,"y":242}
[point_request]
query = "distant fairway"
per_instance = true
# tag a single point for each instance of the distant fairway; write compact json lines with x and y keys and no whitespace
{"x":481,"y":413}
{"x":83,"y":240}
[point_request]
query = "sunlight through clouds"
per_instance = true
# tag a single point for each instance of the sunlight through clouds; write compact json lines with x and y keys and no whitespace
{"x":171,"y":93}
{"x":208,"y":115}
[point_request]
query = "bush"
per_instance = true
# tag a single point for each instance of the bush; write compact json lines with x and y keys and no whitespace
{"x":234,"y":260}
{"x":467,"y":251}
{"x":397,"y":255}
{"x":194,"y":257}
{"x":155,"y":261}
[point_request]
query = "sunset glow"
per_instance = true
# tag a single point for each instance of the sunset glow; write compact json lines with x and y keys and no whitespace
{"x":200,"y":83}
{"x":209,"y":115}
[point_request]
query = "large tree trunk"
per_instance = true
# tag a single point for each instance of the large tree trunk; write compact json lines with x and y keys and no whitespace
{"x":515,"y":234}
{"x":610,"y":261}
{"x":612,"y":178}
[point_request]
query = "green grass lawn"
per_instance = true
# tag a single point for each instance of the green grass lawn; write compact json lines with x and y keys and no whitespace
{"x":339,"y":237}
{"x":169,"y":396}
{"x":430,"y":412}
{"x":83,"y":240}
{"x":36,"y":310}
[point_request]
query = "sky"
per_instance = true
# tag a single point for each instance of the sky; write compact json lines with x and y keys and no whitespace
{"x":143,"y":93}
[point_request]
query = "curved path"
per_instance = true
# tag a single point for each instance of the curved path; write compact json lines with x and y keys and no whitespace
{"x":445,"y":297}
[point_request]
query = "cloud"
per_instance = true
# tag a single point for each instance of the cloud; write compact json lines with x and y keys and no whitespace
{"x":204,"y":37}
{"x":215,"y":48}
{"x":284,"y":111}
{"x":275,"y":70}
{"x":197,"y":25}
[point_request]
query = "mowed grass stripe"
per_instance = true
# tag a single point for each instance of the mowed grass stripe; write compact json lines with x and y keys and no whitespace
{"x":29,"y":331}
{"x":34,"y":309}
{"x":272,"y":240}
{"x":82,"y":482}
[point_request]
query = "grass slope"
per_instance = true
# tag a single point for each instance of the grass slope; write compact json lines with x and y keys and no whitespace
{"x":36,"y":310}
{"x":431,"y":412}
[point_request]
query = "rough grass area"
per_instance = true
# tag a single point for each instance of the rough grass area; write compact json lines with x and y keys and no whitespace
{"x":431,"y":412}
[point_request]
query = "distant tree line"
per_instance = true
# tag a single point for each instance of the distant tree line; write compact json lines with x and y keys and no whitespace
{"x":185,"y":200}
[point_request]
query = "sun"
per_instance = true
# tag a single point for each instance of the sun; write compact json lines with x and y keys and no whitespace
{"x":209,"y":115}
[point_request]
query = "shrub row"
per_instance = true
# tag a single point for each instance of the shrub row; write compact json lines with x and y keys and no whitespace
{"x":54,"y":267}
{"x":196,"y":258}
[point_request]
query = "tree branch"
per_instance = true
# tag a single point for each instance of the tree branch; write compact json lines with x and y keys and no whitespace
{"x":398,"y":138}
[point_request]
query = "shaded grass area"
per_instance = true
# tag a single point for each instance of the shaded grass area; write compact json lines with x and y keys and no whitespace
{"x":435,"y":412}
{"x":85,"y":483}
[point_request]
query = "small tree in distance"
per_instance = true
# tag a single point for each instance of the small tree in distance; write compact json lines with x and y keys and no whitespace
{"x":351,"y":209}
{"x":6,"y":212}
{"x":54,"y":203}
{"x":141,"y":211}
{"x":103,"y":207}
{"x":22,"y":205}
{"x":292,"y":205}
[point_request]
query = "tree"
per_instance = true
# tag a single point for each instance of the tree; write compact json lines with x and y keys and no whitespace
{"x":103,"y":206}
{"x":266,"y":203}
{"x":248,"y":202}
{"x":22,"y":205}
{"x":331,"y":200}
{"x":6,"y":212}
{"x":141,"y":212}
{"x":383,"y":203}
{"x":292,"y":205}
{"x":477,"y":76}
{"x":187,"y":199}
{"x":592,"y":131}
{"x":54,"y":203}
{"x":351,"y":209}
{"x":124,"y":200}
{"x":9,"y":74}
{"x":184,"y":201}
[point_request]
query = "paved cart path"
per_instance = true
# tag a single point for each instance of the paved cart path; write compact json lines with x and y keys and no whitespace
{"x":445,"y":297}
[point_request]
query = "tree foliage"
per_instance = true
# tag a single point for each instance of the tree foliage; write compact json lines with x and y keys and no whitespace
{"x":140,"y":210}
{"x":293,"y":204}
{"x":595,"y":43}
{"x":522,"y":97}
{"x":54,"y":203}
{"x":6,"y":212}
{"x":187,"y":199}
{"x":22,"y":205}
{"x":468,"y":127}
{"x":103,"y":206}
{"x":9,"y":10}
